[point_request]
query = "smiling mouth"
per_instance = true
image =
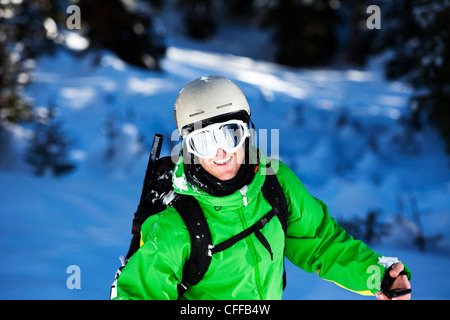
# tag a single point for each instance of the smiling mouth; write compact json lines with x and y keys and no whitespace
{"x":224,"y":161}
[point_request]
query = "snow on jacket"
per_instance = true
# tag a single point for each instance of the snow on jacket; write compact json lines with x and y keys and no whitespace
{"x":245,"y":271}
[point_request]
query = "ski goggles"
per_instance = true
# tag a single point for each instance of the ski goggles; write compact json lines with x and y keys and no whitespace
{"x":229,"y":136}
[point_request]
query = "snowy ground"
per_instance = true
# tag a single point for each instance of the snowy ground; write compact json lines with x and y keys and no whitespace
{"x":338,"y":129}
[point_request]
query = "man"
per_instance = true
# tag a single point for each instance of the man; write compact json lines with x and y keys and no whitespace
{"x":222,"y":170}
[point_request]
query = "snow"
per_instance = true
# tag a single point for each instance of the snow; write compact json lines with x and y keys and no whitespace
{"x":387,"y":261}
{"x":339,"y":131}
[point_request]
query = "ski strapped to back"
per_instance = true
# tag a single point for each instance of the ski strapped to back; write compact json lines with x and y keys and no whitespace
{"x":145,"y":208}
{"x":158,"y":184}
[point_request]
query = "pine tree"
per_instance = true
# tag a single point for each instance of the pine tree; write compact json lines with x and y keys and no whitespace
{"x":199,"y":18}
{"x":23,"y":36}
{"x":304,"y":31}
{"x":418,"y":33}
{"x":356,"y":43}
{"x":48,"y":148}
{"x":28,"y":29}
{"x":127,"y":28}
{"x":240,"y":8}
{"x":369,"y":229}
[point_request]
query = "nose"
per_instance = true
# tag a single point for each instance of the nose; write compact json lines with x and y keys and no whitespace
{"x":221,"y":154}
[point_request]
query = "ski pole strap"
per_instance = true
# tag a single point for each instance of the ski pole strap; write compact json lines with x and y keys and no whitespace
{"x":255,"y":228}
{"x":388,"y":281}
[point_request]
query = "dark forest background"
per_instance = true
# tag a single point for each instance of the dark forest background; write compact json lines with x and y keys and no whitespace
{"x":414,"y":35}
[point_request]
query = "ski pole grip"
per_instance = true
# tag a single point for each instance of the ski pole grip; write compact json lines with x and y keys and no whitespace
{"x":388,"y":281}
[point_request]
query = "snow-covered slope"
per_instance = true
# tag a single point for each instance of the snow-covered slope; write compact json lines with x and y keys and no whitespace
{"x":338,"y":129}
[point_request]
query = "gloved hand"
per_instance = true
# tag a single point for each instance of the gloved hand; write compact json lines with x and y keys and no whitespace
{"x":395,"y":284}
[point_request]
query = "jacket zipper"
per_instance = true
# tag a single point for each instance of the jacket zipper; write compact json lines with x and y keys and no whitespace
{"x":243,"y":191}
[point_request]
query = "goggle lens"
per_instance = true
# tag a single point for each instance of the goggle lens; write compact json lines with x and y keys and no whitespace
{"x":228,"y":136}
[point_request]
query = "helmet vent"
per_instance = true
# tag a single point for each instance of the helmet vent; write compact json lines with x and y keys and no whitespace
{"x":224,"y":105}
{"x":197,"y":113}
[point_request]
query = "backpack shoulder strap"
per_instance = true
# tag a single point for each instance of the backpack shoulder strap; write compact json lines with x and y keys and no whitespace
{"x":199,"y":259}
{"x":274,"y":194}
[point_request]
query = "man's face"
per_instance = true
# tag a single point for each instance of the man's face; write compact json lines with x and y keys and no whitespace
{"x":224,"y":166}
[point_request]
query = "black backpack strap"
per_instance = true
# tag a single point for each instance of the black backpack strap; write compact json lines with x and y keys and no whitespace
{"x":199,"y":259}
{"x":274,"y":194}
{"x":201,"y":241}
{"x":255,"y":228}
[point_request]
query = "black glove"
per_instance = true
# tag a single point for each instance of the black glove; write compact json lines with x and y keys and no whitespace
{"x":387,"y":283}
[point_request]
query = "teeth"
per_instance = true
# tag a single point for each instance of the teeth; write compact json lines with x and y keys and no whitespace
{"x":224,"y":160}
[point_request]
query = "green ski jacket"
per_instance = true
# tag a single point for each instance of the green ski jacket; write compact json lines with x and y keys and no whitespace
{"x":245,"y":271}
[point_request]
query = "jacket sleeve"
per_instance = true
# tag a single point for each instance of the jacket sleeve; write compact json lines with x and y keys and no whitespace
{"x":316,"y":243}
{"x":155,"y":270}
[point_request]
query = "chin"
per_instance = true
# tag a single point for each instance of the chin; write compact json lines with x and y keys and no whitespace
{"x":226,"y":177}
{"x":225,"y":173}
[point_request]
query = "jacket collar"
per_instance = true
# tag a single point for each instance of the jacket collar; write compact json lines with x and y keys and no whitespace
{"x":244,"y":196}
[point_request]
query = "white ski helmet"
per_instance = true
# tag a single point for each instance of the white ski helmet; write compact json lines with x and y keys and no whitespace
{"x":209,"y":99}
